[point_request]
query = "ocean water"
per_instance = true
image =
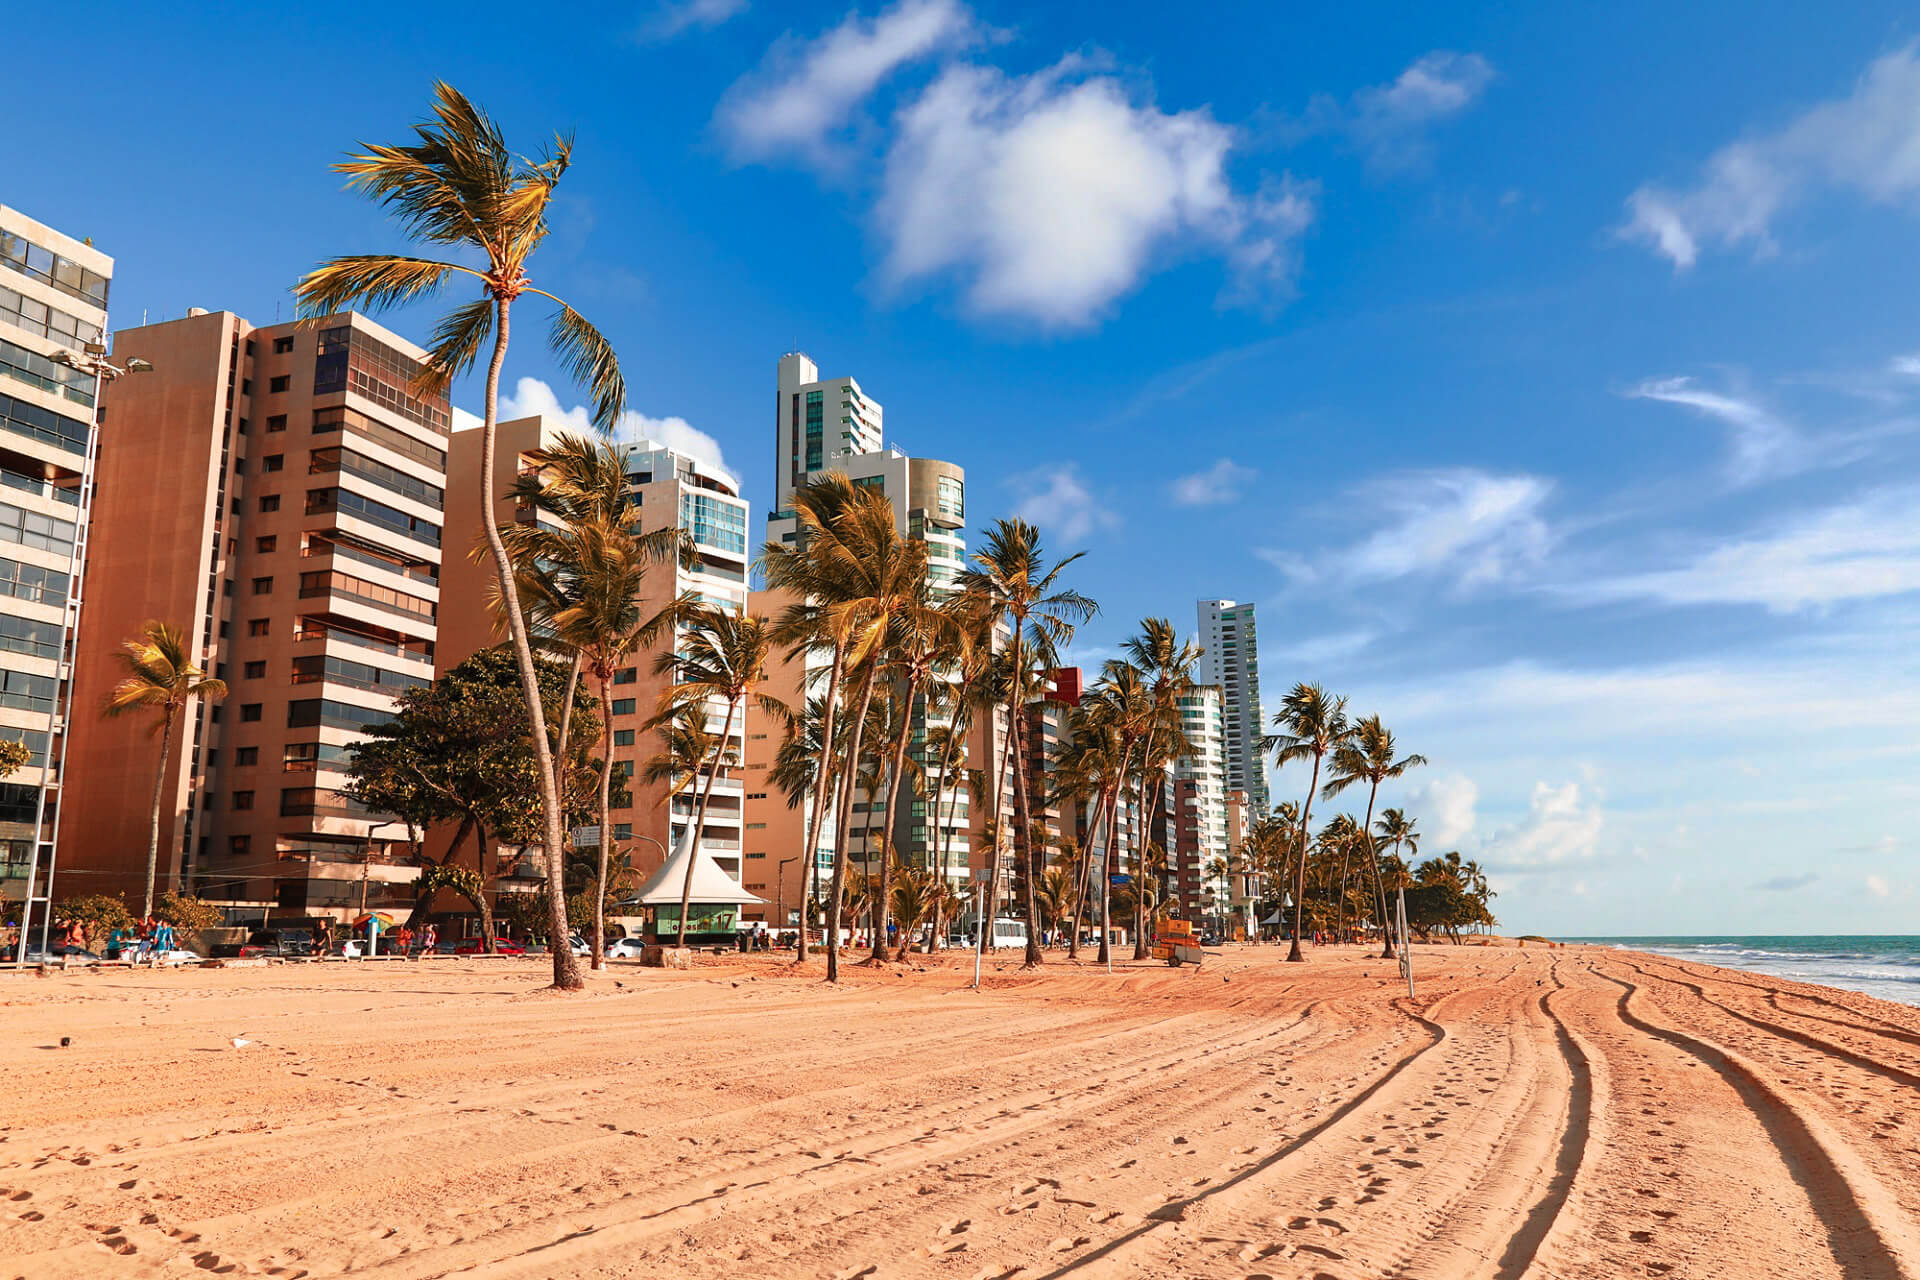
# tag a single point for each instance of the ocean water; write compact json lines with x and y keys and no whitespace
{"x":1883,"y":965}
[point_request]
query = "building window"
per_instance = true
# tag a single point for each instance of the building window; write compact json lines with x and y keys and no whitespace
{"x":951,"y":495}
{"x":270,"y":502}
{"x":627,"y":676}
{"x":273,"y":462}
{"x":239,"y":844}
{"x":246,"y":386}
{"x":266,"y":544}
{"x":256,"y":670}
{"x":243,"y":800}
{"x":281,"y":346}
{"x":246,"y":756}
{"x":277,"y":422}
{"x":623,"y":737}
{"x":623,"y":831}
{"x":280,"y":383}
{"x":258,"y":626}
{"x":249,"y":711}
{"x":623,"y":706}
{"x":263,"y":586}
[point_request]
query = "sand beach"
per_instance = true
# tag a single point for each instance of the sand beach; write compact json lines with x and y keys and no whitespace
{"x":1569,"y":1112}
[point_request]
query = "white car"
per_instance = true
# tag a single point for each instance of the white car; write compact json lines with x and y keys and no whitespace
{"x":174,"y":957}
{"x":625,"y":949}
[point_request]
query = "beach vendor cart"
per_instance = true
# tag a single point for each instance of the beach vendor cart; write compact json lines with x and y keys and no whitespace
{"x":1176,"y":943}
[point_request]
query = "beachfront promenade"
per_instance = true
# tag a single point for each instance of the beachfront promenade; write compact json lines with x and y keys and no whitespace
{"x":1574,"y":1112}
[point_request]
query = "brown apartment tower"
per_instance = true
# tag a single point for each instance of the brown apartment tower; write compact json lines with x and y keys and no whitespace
{"x":277,"y":494}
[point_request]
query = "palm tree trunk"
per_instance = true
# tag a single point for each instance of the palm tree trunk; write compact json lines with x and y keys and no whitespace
{"x":893,"y":804}
{"x":1141,"y":839}
{"x":599,"y":960}
{"x":566,"y":711}
{"x":840,"y":850}
{"x":1340,"y":907}
{"x":1083,"y":880}
{"x":700,"y":819}
{"x":153,"y":825}
{"x":993,"y":859}
{"x":1379,"y":883}
{"x":940,"y":836}
{"x":1023,"y":833}
{"x":566,"y":974}
{"x":1294,"y":954}
{"x":1110,"y":851}
{"x":822,"y":779}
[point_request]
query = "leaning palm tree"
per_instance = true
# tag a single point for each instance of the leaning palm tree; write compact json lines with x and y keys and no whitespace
{"x":1312,"y":722}
{"x":721,"y":656}
{"x":1011,"y":588}
{"x":1168,"y":664}
{"x":1367,"y":756}
{"x":160,"y":677}
{"x":459,"y":187}
{"x":1121,"y":706}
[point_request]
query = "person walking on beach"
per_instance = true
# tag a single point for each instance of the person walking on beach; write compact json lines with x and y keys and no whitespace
{"x":162,"y":941}
{"x":429,"y":939}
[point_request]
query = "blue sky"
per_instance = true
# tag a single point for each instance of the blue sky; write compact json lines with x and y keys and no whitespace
{"x":1548,"y":375}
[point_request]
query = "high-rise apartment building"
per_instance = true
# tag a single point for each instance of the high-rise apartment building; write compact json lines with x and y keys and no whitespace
{"x":669,"y":490}
{"x":53,"y":303}
{"x":1231,"y":660}
{"x":277,"y":495}
{"x":1200,"y":797}
{"x":830,"y":424}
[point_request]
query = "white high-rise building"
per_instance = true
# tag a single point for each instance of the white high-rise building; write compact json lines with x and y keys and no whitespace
{"x":817,"y":421}
{"x":1203,"y":836}
{"x":53,"y":303}
{"x":1231,"y":660}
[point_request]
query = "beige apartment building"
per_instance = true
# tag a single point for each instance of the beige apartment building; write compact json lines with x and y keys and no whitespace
{"x":278,"y":495}
{"x":53,"y":316}
{"x":670,"y":489}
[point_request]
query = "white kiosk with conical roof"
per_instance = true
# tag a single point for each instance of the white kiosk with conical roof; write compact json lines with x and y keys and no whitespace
{"x":713,"y":906}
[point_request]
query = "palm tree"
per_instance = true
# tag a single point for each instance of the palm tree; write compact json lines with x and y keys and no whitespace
{"x":687,"y":745}
{"x":161,"y":677}
{"x":580,"y":585}
{"x":1367,"y":756}
{"x":461,"y":188}
{"x":1313,"y":723}
{"x":722,"y":655}
{"x":1120,"y":705}
{"x":1011,"y":587}
{"x":851,"y":570}
{"x":1168,"y":665}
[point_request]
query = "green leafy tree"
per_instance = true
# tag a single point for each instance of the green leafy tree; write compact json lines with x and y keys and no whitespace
{"x":460,"y":750}
{"x":1367,"y":755}
{"x":97,"y":914}
{"x":459,"y":188}
{"x":187,"y":913}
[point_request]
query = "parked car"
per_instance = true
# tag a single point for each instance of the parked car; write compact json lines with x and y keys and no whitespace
{"x":283,"y":944}
{"x":580,"y":946}
{"x":177,"y":956}
{"x":74,"y":956}
{"x":625,"y":948}
{"x":504,"y":946}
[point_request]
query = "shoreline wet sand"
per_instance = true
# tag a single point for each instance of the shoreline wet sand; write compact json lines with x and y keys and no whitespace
{"x":1579,"y":1111}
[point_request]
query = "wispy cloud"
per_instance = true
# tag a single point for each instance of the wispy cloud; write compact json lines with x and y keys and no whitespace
{"x":1764,"y":446}
{"x":1865,"y":549}
{"x":1056,"y":499}
{"x":1562,"y":825}
{"x":806,"y":90}
{"x":1787,"y":884}
{"x":1867,"y":142}
{"x":533,"y":398}
{"x":1223,"y":482}
{"x":1445,"y":807}
{"x":1470,"y":527}
{"x":1393,"y":122}
{"x":988,"y":179}
{"x":676,"y":17}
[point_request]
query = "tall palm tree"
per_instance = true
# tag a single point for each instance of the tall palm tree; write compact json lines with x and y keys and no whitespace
{"x":162,"y":678}
{"x":721,"y":656}
{"x":1168,"y":664}
{"x":459,"y":187}
{"x":851,"y":571}
{"x":1367,"y":756}
{"x":1083,"y":766}
{"x":1122,"y":705}
{"x":581,"y":583}
{"x":1312,"y":723}
{"x":1010,"y":588}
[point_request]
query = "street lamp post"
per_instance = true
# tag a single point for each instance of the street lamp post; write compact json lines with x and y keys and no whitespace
{"x":781,"y":896}
{"x":92,"y":358}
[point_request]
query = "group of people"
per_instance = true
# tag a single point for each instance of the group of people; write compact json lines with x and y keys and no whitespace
{"x":144,"y":941}
{"x":754,"y":939}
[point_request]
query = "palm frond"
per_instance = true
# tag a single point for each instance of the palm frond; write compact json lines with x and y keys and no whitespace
{"x":370,"y":281}
{"x":590,"y":360}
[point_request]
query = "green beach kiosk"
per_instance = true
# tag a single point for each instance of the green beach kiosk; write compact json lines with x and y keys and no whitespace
{"x":713,"y":908}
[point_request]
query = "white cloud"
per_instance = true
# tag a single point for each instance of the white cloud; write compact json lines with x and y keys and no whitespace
{"x":1867,"y":142}
{"x":1220,"y":483}
{"x":1865,"y":549}
{"x":1905,"y":366}
{"x":1048,"y":195}
{"x":675,"y":17}
{"x":1561,"y":826}
{"x":1471,"y":526}
{"x":1445,"y":805}
{"x":1057,"y":500}
{"x":1391,"y":121}
{"x":1787,"y":884}
{"x":1763,"y":444}
{"x":531,"y":397}
{"x":1878,"y":886}
{"x":805,"y":91}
